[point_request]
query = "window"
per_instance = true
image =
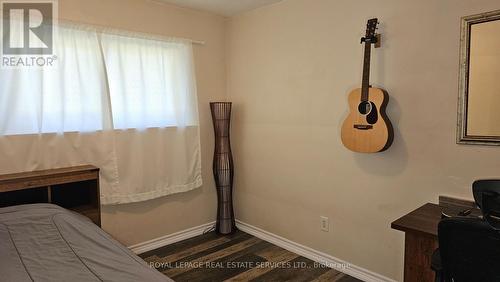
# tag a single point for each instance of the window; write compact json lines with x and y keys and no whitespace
{"x":105,"y":83}
{"x":151,"y":82}
{"x":67,"y":98}
{"x":102,"y":81}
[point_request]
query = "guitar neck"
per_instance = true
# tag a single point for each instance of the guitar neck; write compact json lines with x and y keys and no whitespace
{"x":366,"y":72}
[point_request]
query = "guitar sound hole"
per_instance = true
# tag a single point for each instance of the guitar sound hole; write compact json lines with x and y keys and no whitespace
{"x":365,"y":107}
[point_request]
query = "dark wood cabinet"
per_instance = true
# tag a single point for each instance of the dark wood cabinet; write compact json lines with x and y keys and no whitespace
{"x":73,"y":188}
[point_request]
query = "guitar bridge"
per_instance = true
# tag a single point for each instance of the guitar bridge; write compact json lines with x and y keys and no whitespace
{"x":363,"y":126}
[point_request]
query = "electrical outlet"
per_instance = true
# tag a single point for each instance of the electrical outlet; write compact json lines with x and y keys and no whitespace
{"x":325,"y":224}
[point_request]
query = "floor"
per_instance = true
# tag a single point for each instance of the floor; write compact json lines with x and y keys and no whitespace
{"x":238,"y":257}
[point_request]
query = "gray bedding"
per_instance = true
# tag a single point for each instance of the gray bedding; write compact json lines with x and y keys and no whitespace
{"x":44,"y":242}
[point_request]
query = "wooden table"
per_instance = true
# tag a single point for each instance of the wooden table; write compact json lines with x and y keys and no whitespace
{"x":421,"y":239}
{"x":420,"y":227}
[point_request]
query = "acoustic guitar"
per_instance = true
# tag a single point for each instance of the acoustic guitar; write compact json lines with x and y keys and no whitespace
{"x":367,"y":129}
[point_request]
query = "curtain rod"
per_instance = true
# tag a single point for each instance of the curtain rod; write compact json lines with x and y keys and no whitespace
{"x":196,"y":42}
{"x":123,"y":32}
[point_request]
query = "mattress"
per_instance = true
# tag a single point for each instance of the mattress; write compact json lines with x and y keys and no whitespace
{"x":45,"y":242}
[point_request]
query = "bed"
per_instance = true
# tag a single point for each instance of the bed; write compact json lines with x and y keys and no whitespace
{"x":50,"y":231}
{"x":44,"y":242}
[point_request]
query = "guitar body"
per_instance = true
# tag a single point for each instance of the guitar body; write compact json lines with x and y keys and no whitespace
{"x":367,"y":129}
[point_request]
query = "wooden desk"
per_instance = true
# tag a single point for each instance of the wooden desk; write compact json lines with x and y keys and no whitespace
{"x":421,"y":238}
{"x":420,"y":227}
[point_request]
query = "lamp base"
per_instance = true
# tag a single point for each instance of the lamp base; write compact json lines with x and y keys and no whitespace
{"x":225,"y":227}
{"x":226,"y":223}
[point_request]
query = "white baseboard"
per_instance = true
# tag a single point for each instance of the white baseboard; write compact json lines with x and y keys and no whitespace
{"x":170,"y":239}
{"x":317,"y":256}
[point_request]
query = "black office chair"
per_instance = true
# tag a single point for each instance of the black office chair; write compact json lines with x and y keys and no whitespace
{"x":469,"y":248}
{"x":487,"y":197}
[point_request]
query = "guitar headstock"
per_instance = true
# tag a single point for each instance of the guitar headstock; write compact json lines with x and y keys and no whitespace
{"x":371,"y":35}
{"x":371,"y":28}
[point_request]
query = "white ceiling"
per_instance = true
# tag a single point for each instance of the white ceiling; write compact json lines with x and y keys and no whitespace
{"x":223,"y":7}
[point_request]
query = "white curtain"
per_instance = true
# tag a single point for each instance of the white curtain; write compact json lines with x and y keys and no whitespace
{"x":124,"y":103}
{"x":151,"y":82}
{"x":68,"y":98}
{"x":155,"y":111}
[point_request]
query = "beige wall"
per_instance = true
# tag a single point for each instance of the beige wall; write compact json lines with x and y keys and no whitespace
{"x":290,"y":67}
{"x":140,"y":222}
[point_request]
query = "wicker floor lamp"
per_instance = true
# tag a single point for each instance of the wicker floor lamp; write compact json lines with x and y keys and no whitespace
{"x":223,"y":167}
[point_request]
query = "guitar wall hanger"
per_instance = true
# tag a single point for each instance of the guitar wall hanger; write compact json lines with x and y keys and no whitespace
{"x":376,"y":40}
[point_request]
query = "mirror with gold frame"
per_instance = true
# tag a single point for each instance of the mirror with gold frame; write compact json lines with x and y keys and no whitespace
{"x":479,"y":101}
